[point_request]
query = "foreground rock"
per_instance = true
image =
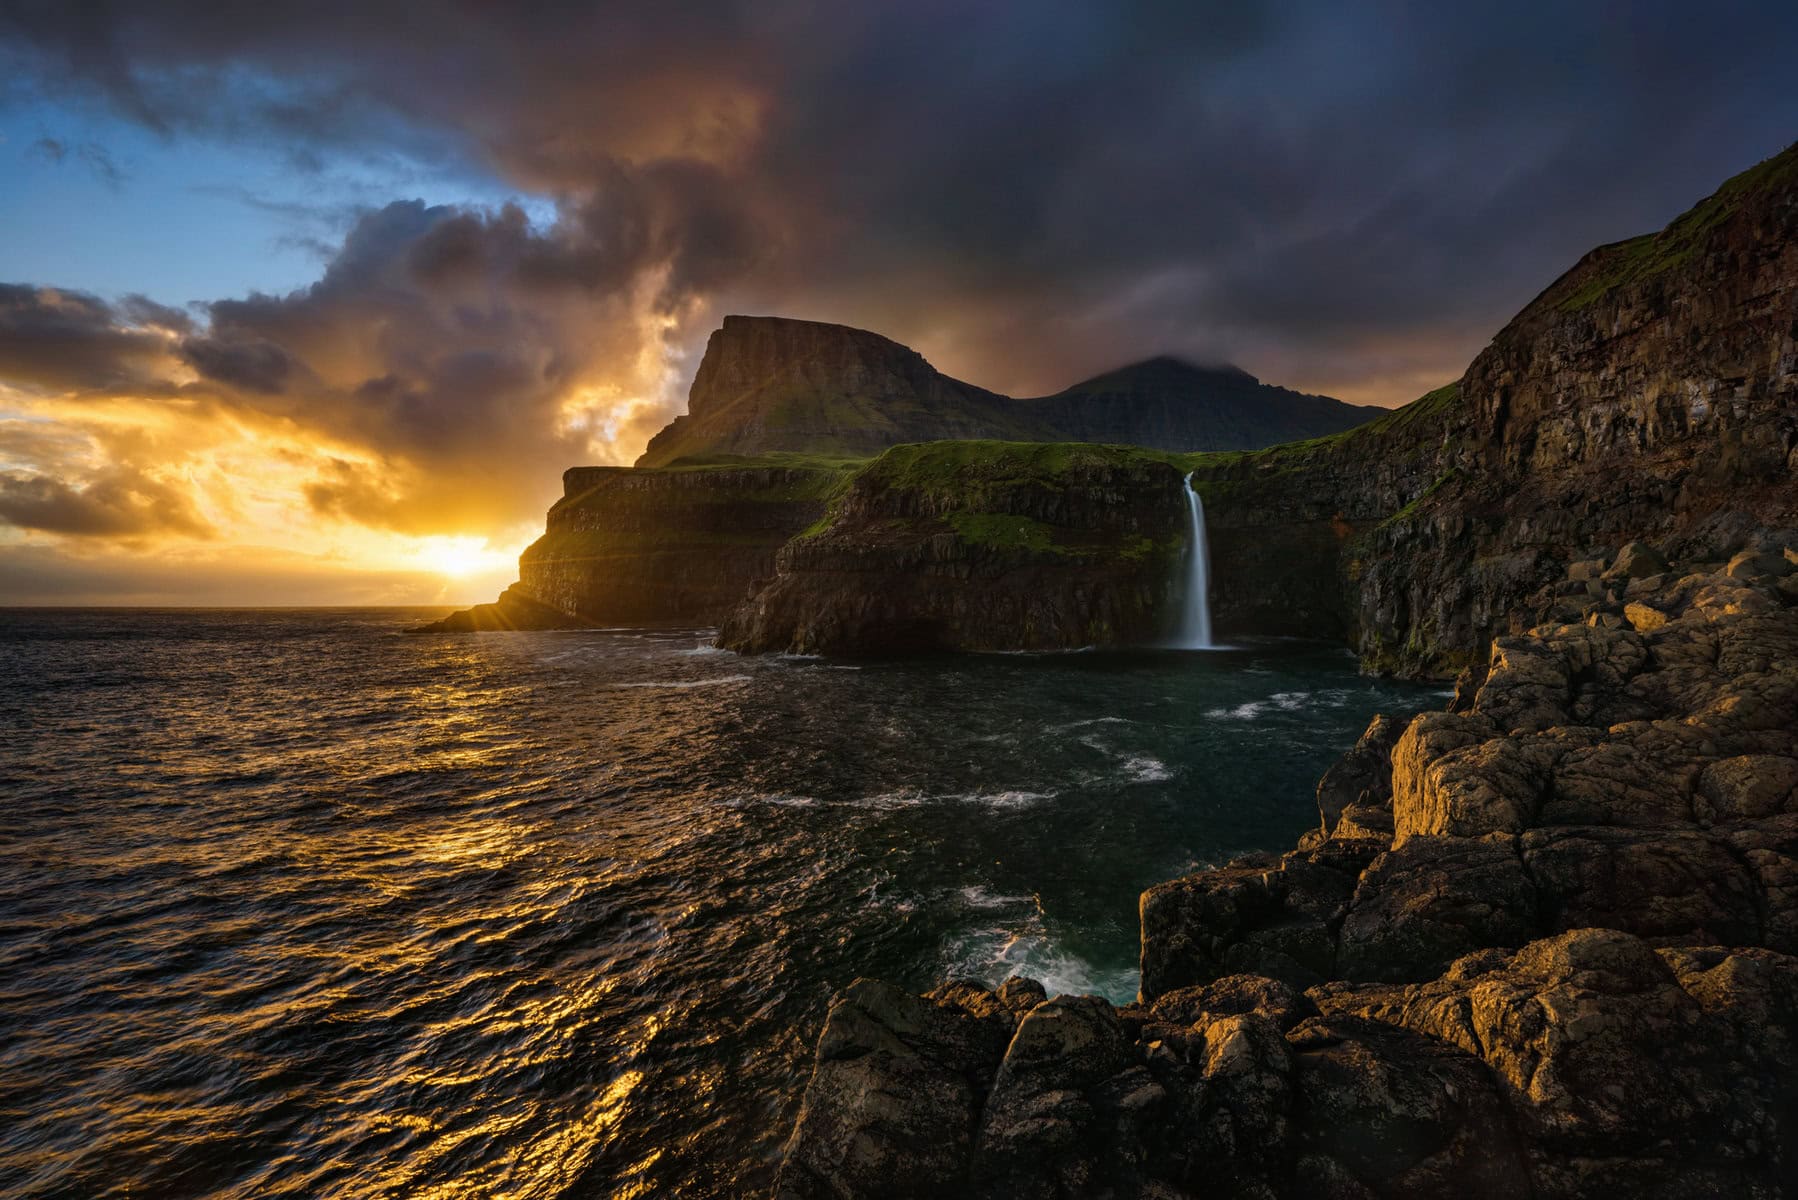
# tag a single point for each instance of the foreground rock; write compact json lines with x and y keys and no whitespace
{"x":1587,"y":1064}
{"x":1540,"y":945}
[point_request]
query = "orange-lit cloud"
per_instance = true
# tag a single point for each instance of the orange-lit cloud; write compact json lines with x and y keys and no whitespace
{"x":410,"y":412}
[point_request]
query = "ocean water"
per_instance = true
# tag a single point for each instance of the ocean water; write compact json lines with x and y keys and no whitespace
{"x":294,"y":905}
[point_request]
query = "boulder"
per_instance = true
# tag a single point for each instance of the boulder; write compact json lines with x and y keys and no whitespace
{"x":1756,"y":564}
{"x":1643,"y":618}
{"x":1399,"y":1114}
{"x":1432,"y":900}
{"x":1232,"y":996}
{"x":1637,"y":560}
{"x":893,"y":1098}
{"x":1363,"y":776}
{"x":1069,"y":1074}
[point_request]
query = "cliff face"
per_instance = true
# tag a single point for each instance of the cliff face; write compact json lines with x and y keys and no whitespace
{"x":978,"y":546}
{"x":634,"y":547}
{"x":1651,"y":393}
{"x":769,"y":384}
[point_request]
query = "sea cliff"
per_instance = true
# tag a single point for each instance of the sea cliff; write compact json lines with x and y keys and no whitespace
{"x":679,"y":545}
{"x":1650,"y":394}
{"x":978,"y":546}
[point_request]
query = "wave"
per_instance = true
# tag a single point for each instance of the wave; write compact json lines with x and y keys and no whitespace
{"x":1254,"y":709}
{"x":1143,"y":768}
{"x":687,"y":683}
{"x":993,"y":953}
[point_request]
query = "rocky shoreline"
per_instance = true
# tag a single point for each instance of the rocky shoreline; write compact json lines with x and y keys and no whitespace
{"x":1540,"y":944}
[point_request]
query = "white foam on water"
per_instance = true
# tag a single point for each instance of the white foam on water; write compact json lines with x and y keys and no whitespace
{"x":1090,"y":721}
{"x":1142,"y":768}
{"x":993,"y":953}
{"x":1008,"y":799}
{"x":980,"y":896}
{"x":911,"y":798}
{"x":1254,"y":709}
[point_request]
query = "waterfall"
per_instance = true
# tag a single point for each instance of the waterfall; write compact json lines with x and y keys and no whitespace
{"x":1194,"y":632}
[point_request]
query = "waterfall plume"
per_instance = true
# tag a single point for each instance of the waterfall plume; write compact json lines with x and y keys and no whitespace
{"x":1194,"y":631}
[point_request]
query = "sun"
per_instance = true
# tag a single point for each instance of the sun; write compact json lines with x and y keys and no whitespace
{"x":456,"y":557}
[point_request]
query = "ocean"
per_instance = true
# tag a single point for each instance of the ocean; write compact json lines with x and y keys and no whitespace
{"x":292,"y":904}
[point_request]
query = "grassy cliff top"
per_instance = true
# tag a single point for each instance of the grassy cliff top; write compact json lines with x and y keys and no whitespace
{"x":937,"y":468}
{"x":1621,"y":264}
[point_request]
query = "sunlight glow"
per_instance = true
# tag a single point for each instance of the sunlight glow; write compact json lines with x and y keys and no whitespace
{"x":458,"y":557}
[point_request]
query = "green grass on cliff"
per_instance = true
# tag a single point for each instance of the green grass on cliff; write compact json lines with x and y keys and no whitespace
{"x":964,"y":470}
{"x":1005,"y":532}
{"x":965,"y":480}
{"x":775,"y":458}
{"x":1624,"y":263}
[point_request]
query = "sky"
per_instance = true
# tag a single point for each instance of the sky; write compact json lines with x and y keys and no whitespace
{"x":311,"y":303}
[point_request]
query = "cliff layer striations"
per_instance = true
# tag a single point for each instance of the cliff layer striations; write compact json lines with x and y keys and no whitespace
{"x":682,"y":545}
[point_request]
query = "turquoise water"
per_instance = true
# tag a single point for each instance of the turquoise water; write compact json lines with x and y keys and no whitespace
{"x":294,"y":905}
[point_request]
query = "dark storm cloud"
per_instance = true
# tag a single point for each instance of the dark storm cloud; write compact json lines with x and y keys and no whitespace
{"x":63,"y":340}
{"x":1351,"y":197}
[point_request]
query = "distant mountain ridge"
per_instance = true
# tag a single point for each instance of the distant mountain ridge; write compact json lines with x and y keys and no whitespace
{"x":776,"y":384}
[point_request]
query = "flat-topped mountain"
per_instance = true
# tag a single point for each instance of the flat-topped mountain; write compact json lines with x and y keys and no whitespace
{"x":772,"y":384}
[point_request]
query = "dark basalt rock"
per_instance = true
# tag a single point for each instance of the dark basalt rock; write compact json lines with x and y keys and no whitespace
{"x":1581,"y":1065}
{"x":515,"y":609}
{"x":892,"y":1106}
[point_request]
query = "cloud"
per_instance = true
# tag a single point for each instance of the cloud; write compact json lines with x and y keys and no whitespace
{"x":56,"y":339}
{"x":121,"y":503}
{"x":434,"y":380}
{"x":1343,"y":199}
{"x":996,"y":184}
{"x":91,"y":154}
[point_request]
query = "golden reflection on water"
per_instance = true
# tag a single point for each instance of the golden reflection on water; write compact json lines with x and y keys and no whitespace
{"x":545,"y":1164}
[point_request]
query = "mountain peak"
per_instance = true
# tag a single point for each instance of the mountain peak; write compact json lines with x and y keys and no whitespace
{"x":1170,"y":367}
{"x":783,"y":384}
